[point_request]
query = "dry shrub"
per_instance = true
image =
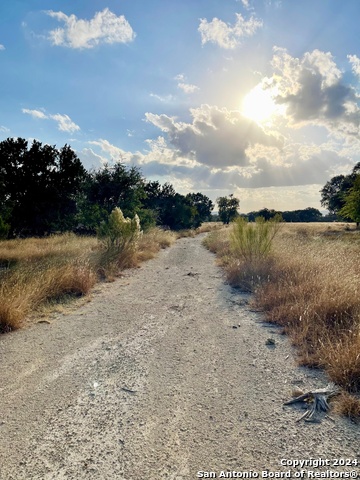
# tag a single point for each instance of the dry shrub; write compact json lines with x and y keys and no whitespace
{"x":347,"y":405}
{"x":27,"y":287}
{"x":218,"y":242}
{"x":74,"y":280}
{"x":111,"y":260}
{"x":152,"y":241}
{"x":341,"y":359}
{"x":248,"y":274}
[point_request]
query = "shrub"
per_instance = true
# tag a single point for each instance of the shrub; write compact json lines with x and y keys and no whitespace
{"x":119,"y":237}
{"x":250,"y":241}
{"x":119,"y":231}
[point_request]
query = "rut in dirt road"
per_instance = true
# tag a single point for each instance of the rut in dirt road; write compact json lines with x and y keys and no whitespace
{"x":164,"y":374}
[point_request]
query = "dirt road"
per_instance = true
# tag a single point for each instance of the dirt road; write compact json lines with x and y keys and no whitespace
{"x":151,"y":380}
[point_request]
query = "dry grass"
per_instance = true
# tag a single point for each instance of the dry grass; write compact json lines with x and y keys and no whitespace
{"x":37,"y":272}
{"x":36,"y":249}
{"x":347,"y":405}
{"x":310,"y":284}
{"x":153,"y":241}
{"x":209,"y":227}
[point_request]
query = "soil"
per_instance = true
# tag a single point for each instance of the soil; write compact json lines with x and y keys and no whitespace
{"x":167,"y":372}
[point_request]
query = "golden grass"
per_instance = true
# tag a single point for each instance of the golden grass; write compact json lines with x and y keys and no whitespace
{"x":35,"y":249}
{"x":347,"y":405}
{"x":35,"y":272}
{"x":153,"y":241}
{"x":310,"y":284}
{"x":209,"y":227}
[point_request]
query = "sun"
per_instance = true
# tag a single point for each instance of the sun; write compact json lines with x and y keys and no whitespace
{"x":258,"y":105}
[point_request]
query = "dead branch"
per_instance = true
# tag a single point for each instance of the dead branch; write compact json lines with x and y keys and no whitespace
{"x":317,"y":401}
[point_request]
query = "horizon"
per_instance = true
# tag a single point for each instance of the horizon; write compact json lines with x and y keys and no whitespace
{"x":255,"y":98}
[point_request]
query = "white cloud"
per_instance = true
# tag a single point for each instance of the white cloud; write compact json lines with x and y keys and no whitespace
{"x":314,"y":92}
{"x":4,"y":129}
{"x":355,"y":64}
{"x":35,"y":113}
{"x":65,"y":124}
{"x":163,"y":98}
{"x":187,"y":87}
{"x":90,"y":159}
{"x":104,"y":27}
{"x":216,"y":137}
{"x":246,"y":4}
{"x":227,"y":36}
{"x":2,"y":47}
{"x":116,"y":153}
{"x":184,"y":86}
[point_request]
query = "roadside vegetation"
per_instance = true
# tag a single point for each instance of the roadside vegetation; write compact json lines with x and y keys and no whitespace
{"x":62,"y":228}
{"x":38,"y":272}
{"x":306,"y":278}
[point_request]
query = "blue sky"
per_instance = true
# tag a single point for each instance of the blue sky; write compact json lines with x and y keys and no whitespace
{"x":259,"y":98}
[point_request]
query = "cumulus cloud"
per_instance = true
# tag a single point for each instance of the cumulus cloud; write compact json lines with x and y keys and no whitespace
{"x":313,"y":90}
{"x":90,"y":159}
{"x":104,"y":27}
{"x":355,"y":64}
{"x":282,"y":171}
{"x":216,"y":136}
{"x":116,"y":153}
{"x":65,"y":124}
{"x":225,"y":35}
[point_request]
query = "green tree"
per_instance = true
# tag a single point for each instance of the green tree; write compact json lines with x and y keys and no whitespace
{"x":334,"y":191}
{"x":108,"y":188}
{"x":171,"y":209}
{"x":38,"y":186}
{"x":351,"y":208}
{"x":228,"y":208}
{"x":203,"y":205}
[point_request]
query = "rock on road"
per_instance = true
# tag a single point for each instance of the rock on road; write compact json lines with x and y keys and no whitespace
{"x":151,"y":380}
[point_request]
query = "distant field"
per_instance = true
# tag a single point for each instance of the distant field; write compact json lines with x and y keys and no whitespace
{"x":309,"y":283}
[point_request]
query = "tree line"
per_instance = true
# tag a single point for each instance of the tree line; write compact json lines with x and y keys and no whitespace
{"x":45,"y":190}
{"x":340,"y":195}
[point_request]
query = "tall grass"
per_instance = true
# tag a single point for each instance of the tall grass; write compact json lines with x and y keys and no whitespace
{"x":34,"y":272}
{"x":310,"y":284}
{"x":252,"y":241}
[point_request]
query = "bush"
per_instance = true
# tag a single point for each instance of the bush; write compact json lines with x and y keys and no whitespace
{"x":250,"y":241}
{"x":119,"y":237}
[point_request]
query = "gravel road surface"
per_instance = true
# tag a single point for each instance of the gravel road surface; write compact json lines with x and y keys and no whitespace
{"x":164,"y":374}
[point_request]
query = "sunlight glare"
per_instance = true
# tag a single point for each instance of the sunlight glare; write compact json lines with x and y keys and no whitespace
{"x":258,"y":105}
